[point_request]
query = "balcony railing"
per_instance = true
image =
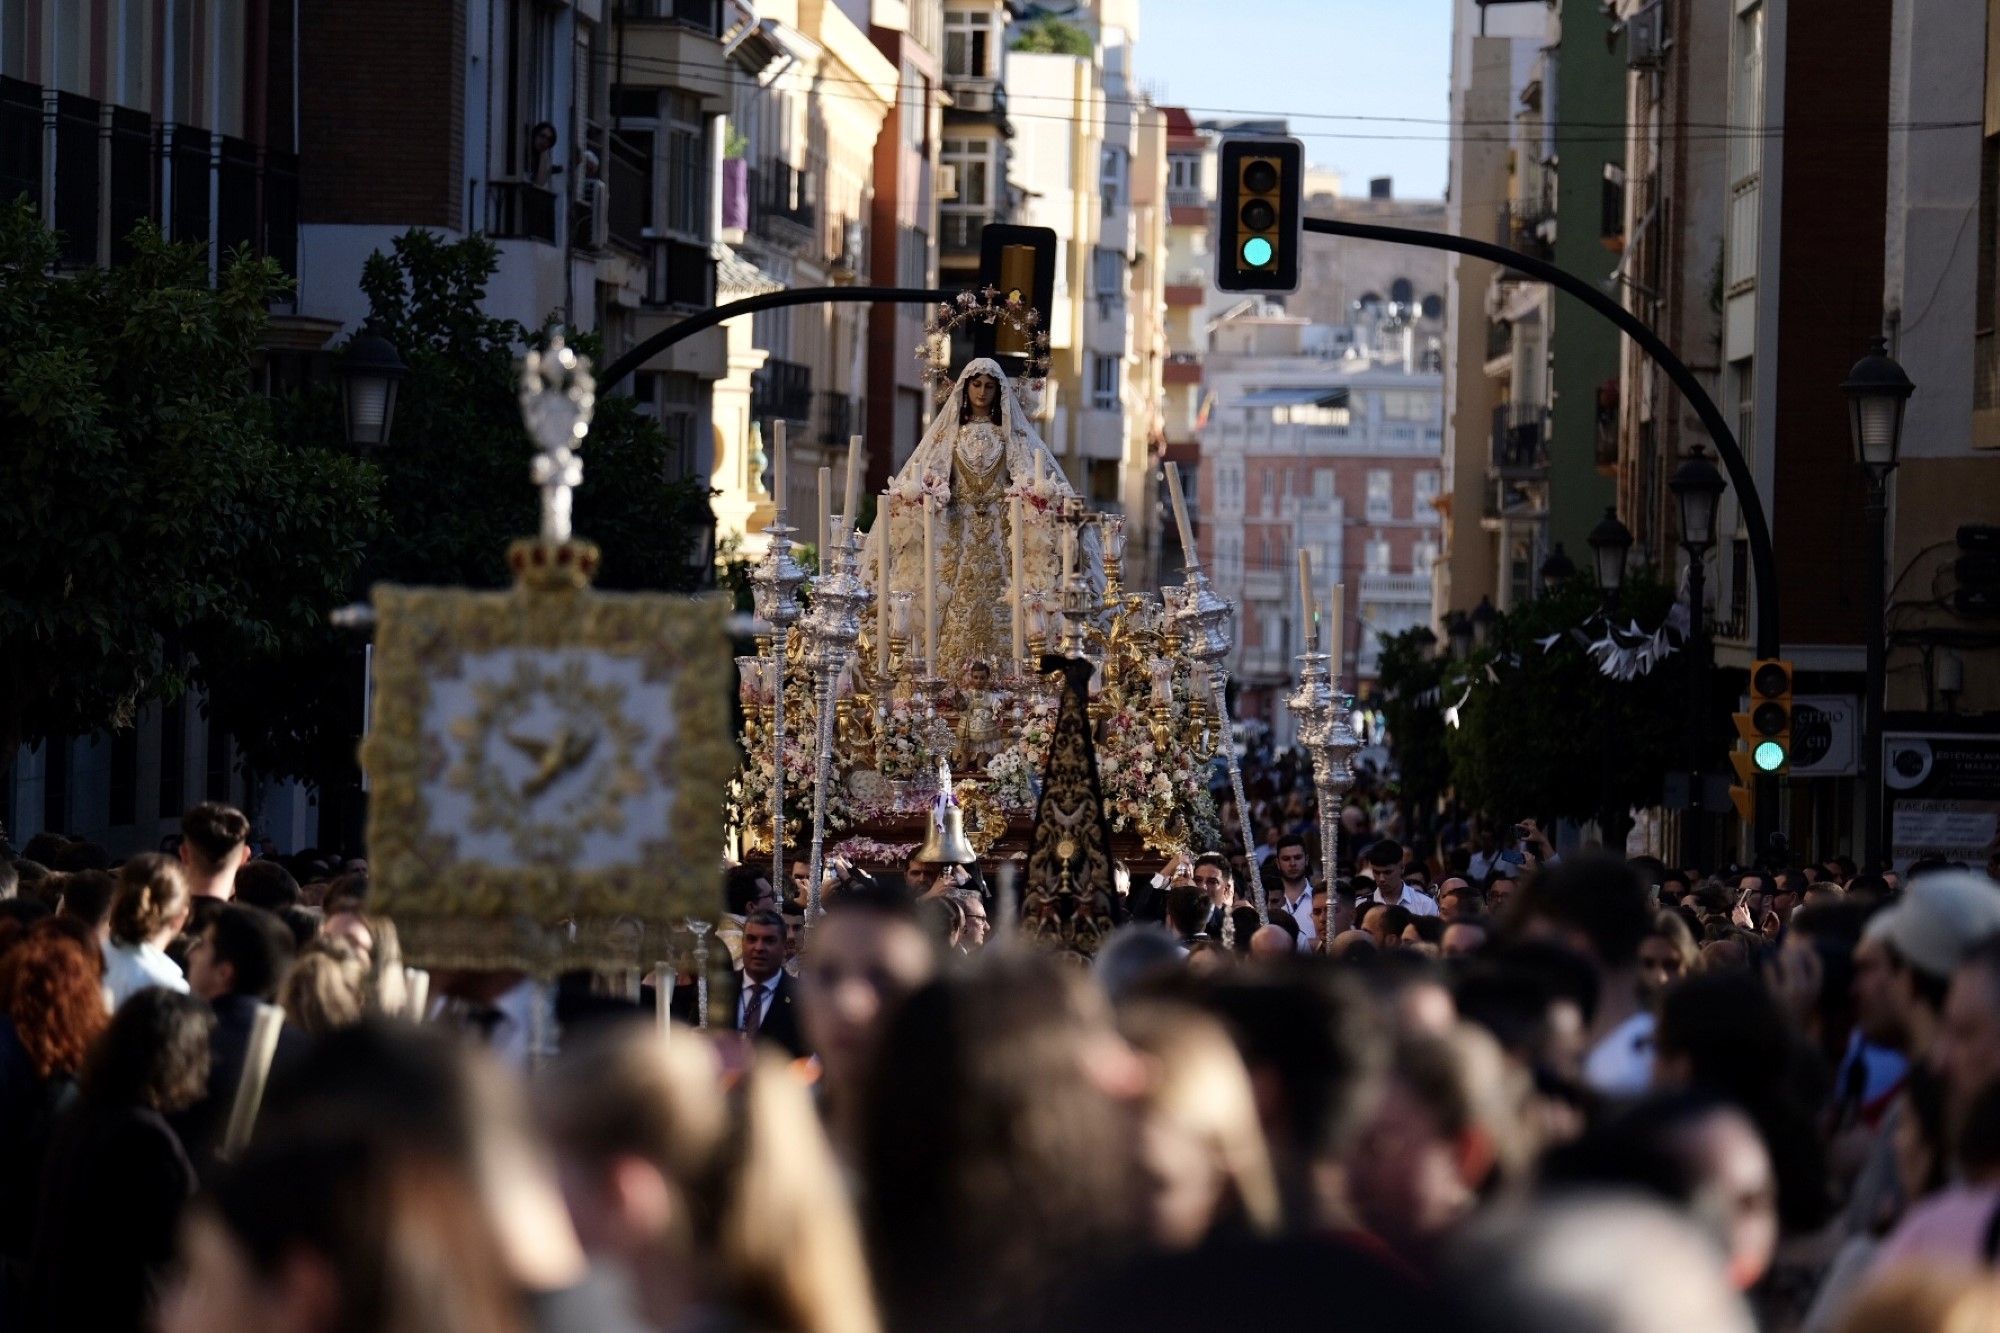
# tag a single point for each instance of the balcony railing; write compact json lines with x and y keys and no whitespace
{"x":95,"y":170}
{"x":1499,"y":340}
{"x":960,"y":231}
{"x":1520,"y":228}
{"x":679,"y":275}
{"x":782,"y":389}
{"x":836,"y":417}
{"x":700,"y":15}
{"x":1396,"y":587}
{"x":1520,"y":438}
{"x":520,"y":210}
{"x":1186,"y":199}
{"x":782,"y":208}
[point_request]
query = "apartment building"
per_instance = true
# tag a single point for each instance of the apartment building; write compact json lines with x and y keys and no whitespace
{"x":1322,"y":438}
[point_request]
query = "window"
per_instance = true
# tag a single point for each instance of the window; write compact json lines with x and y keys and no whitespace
{"x":1422,"y":557}
{"x":1426,"y":495}
{"x":1322,"y":483}
{"x":173,"y":759}
{"x":1376,"y":556}
{"x":1105,"y":375}
{"x":914,"y":111}
{"x":1107,"y":273}
{"x":1111,"y":178}
{"x":1404,"y":406}
{"x":1184,"y":172}
{"x":973,"y":160}
{"x":969,"y":44}
{"x":686,"y":167}
{"x":1746,"y":145}
{"x":1380,"y":497}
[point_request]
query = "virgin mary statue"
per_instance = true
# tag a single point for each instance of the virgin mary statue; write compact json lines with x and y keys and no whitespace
{"x":979,"y":452}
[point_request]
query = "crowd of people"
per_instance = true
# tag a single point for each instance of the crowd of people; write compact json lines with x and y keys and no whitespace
{"x":1463,"y":1081}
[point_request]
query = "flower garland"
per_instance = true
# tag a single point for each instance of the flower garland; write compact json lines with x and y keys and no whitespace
{"x":910,"y":492}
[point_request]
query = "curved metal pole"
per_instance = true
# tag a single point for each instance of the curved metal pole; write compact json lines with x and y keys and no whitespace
{"x":750,"y":305}
{"x":1762,"y":562}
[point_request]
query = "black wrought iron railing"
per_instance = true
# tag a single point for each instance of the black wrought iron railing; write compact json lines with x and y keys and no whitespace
{"x":679,"y":275}
{"x":781,"y":389}
{"x":1520,"y":437}
{"x":520,"y":210}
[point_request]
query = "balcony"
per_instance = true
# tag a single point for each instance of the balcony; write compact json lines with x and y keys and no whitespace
{"x":1524,"y":225}
{"x":680,"y":275}
{"x":974,"y":98}
{"x":1186,"y":199}
{"x":520,"y":211}
{"x":1520,"y":440}
{"x":782,"y":204}
{"x":1499,"y":340}
{"x":704,"y":16}
{"x":959,"y":231}
{"x":1396,"y":588}
{"x":782,"y":389}
{"x":1182,"y":368}
{"x":836,"y":418}
{"x":94,"y":170}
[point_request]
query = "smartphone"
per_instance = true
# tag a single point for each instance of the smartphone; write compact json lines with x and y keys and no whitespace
{"x":1521,"y":833}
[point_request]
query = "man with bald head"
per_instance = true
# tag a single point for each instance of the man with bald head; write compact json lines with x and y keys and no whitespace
{"x":1271,"y":942}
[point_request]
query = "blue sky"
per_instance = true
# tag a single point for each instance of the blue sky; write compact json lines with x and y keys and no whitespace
{"x":1370,"y":58}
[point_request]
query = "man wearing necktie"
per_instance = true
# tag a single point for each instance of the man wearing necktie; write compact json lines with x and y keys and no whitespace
{"x":764,"y":1003}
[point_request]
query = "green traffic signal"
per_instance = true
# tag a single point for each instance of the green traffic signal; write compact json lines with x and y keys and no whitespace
{"x":1769,"y":756}
{"x":1257,"y":252}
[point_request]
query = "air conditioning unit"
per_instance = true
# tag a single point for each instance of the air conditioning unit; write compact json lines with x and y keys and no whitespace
{"x":1646,"y":38}
{"x":597,"y":198}
{"x":947,"y":180}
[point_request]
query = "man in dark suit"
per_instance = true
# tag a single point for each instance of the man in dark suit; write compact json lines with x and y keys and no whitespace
{"x":236,"y":964}
{"x":763,"y":1008}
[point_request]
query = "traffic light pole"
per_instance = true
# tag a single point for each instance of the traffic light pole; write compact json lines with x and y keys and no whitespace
{"x":1763,"y":564}
{"x":750,"y":305}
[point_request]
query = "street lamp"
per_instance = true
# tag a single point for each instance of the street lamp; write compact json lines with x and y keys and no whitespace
{"x":1458,"y":628}
{"x":370,"y":370}
{"x":1698,"y":488}
{"x":1482,"y":619}
{"x":1610,"y":544}
{"x":1558,"y":569}
{"x":1877,"y":391}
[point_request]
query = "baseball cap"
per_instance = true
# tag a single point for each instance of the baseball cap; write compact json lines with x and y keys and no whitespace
{"x":1939,"y":919}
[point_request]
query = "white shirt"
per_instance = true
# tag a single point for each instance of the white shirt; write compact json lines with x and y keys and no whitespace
{"x":1621,"y":1065}
{"x":131,"y":968}
{"x":1300,"y":912}
{"x":1414,"y":901}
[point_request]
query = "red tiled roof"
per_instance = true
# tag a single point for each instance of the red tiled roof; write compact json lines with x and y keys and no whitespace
{"x":1180,"y":124}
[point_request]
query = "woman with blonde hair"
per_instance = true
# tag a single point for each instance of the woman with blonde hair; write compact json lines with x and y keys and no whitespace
{"x":1205,"y":1155}
{"x":718,"y":1197}
{"x":151,"y":906}
{"x":1667,"y":954}
{"x":326,"y":988}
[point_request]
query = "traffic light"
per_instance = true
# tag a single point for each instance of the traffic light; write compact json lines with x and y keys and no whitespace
{"x":1015,"y":261}
{"x":1259,"y":223}
{"x":1771,"y":714}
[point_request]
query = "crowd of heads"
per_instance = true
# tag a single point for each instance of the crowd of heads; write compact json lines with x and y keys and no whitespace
{"x":1464,"y":1081}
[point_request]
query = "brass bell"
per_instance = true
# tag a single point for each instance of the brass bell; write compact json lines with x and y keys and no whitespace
{"x":946,"y":844}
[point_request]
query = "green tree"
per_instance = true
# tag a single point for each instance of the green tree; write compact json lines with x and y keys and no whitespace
{"x":1530,"y":734}
{"x":161,"y":533}
{"x":455,"y":488}
{"x":1050,"y":35}
{"x":1408,"y":676}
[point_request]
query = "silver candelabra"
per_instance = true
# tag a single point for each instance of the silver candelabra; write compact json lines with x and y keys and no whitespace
{"x":840,"y":602}
{"x":776,"y":583}
{"x":1203,"y":617}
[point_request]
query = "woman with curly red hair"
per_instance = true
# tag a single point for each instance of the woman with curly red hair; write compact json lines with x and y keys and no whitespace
{"x":52,"y":1008}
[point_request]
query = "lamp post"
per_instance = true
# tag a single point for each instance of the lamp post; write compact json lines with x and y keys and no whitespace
{"x":1458,"y":629}
{"x":1482,"y":619}
{"x":1610,"y":545}
{"x":1697,"y":488}
{"x":370,"y":371}
{"x":1557,"y":570}
{"x":1877,"y":392}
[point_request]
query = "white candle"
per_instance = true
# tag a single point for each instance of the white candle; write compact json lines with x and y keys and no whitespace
{"x":882,"y":587}
{"x":1336,"y":629}
{"x":1014,"y":593}
{"x":778,"y":465}
{"x":1306,"y":592}
{"x":1180,"y":513}
{"x":930,"y":584}
{"x":825,"y":518}
{"x":852,"y":505}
